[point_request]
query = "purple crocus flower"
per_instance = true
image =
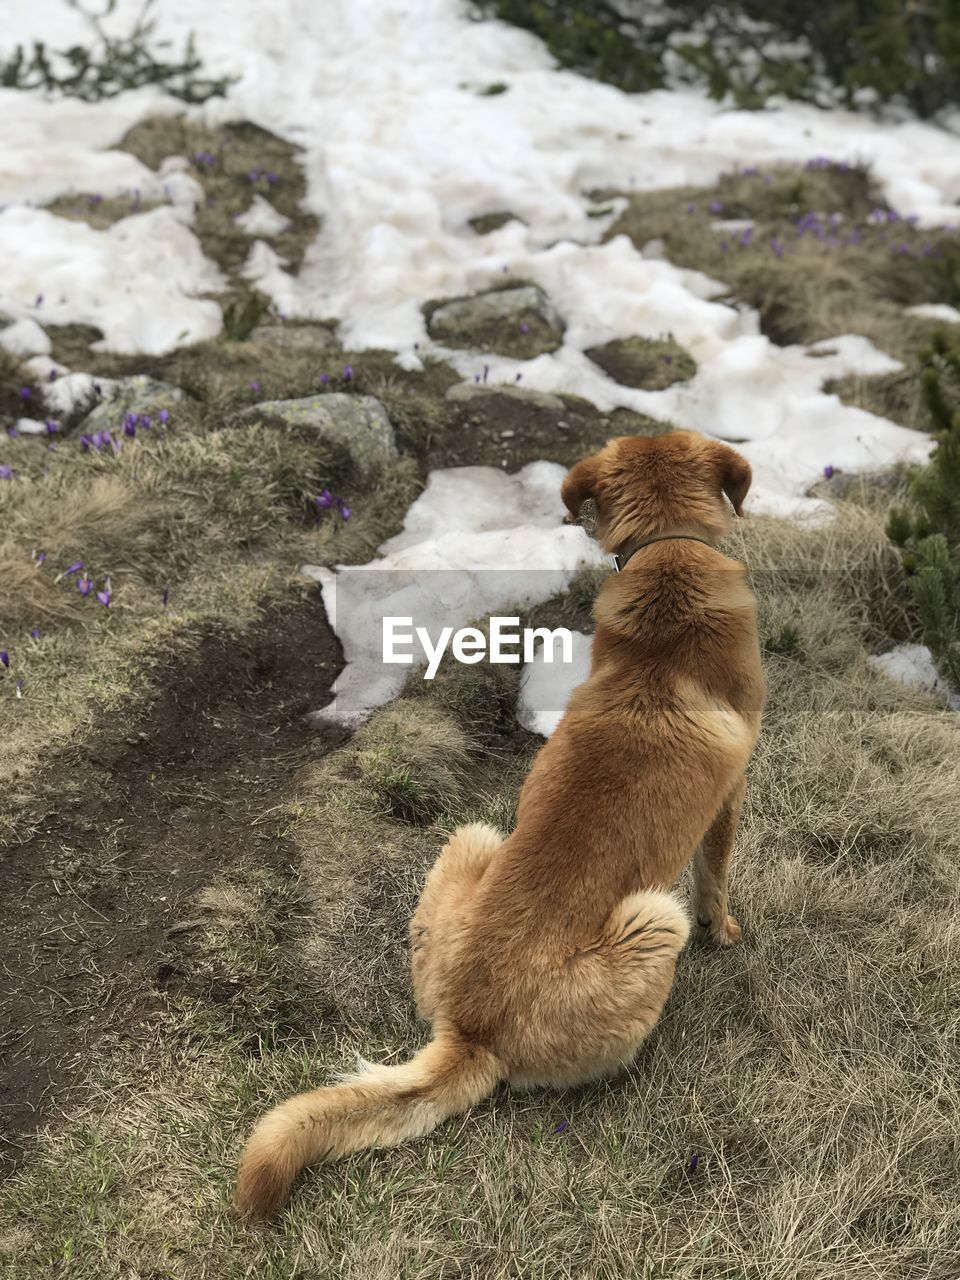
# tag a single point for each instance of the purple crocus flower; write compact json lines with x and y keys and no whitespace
{"x":324,"y":498}
{"x":486,"y":372}
{"x":53,"y":375}
{"x":324,"y":378}
{"x":19,"y":686}
{"x":668,"y":359}
{"x":163,"y":416}
{"x":6,"y":471}
{"x":96,"y":199}
{"x":562,"y":1127}
{"x":4,"y":657}
{"x":52,"y":426}
{"x":86,"y":442}
{"x":130,"y":425}
{"x":271,"y":177}
{"x":41,"y":556}
{"x":777,"y":246}
{"x":715,"y":206}
{"x":693,"y":1162}
{"x":345,"y":511}
{"x":25,"y":393}
{"x":105,"y":596}
{"x":36,"y":633}
{"x":254,"y":386}
{"x":524,"y":328}
{"x":476,"y":378}
{"x":146,"y":421}
{"x":828,"y":471}
{"x":85,"y":585}
{"x":74,"y":568}
{"x":38,"y":301}
{"x":12,"y":432}
{"x":348,"y":373}
{"x":746,"y":238}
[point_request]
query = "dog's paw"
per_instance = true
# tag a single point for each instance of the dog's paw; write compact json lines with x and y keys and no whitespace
{"x":721,"y":934}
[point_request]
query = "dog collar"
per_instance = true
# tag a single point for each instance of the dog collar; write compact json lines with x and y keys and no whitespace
{"x":622,"y":558}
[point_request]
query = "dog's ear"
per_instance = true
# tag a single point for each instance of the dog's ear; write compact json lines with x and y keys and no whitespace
{"x":735,"y":474}
{"x":579,"y":485}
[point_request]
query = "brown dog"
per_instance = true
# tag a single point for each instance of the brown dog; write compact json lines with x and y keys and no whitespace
{"x":546,"y":957}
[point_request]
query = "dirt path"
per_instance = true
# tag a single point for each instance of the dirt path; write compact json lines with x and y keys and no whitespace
{"x":95,"y":919}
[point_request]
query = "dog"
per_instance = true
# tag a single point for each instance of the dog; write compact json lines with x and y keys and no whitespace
{"x":545,"y":958}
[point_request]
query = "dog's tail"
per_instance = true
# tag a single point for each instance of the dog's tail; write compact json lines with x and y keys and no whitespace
{"x":379,"y":1107}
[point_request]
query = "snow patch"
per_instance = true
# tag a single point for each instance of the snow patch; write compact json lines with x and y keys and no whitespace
{"x":935,"y":311}
{"x":25,"y":338}
{"x":476,"y":543}
{"x":546,"y":687}
{"x":912,"y":665}
{"x":262,"y":219}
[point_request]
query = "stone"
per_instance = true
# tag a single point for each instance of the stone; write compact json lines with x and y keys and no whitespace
{"x":518,"y":321}
{"x":357,"y":424}
{"x":650,"y":364}
{"x":139,"y":394}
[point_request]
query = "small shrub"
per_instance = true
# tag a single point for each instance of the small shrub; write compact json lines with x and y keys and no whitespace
{"x":929,"y":531}
{"x":111,"y":65}
{"x":853,"y":52}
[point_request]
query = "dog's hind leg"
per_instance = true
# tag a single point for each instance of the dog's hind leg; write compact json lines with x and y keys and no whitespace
{"x":711,"y":865}
{"x":449,"y":886}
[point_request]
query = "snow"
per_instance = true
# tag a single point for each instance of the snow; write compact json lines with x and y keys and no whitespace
{"x":545,"y":687}
{"x":25,"y":338}
{"x":262,"y":219}
{"x":135,"y":280}
{"x":401,"y":149}
{"x":935,"y":311}
{"x":474,"y":544}
{"x":912,"y":665}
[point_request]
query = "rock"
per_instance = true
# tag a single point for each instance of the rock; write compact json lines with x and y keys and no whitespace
{"x":25,"y":338}
{"x":651,"y":364}
{"x":518,"y":321}
{"x":295,"y":337}
{"x":840,"y":485}
{"x":139,"y":394}
{"x":359,"y":425}
{"x":478,"y":390}
{"x":487,"y":222}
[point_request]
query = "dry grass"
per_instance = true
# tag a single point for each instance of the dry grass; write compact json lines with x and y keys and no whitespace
{"x":194,"y":524}
{"x":794,"y":1117}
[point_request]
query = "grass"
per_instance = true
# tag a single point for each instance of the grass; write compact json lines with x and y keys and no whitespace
{"x":794,"y":1115}
{"x":196,"y":523}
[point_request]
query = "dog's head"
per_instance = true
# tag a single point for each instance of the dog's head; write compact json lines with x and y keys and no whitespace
{"x":645,"y":485}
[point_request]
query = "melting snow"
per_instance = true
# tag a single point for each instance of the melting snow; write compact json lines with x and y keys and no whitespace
{"x":401,"y":148}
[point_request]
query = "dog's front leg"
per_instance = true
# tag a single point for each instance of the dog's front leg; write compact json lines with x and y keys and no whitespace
{"x":711,"y":866}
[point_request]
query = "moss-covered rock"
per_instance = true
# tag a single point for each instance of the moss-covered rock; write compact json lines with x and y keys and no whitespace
{"x":137,"y":395}
{"x":643,"y":362}
{"x":518,"y":321}
{"x":357,"y":425}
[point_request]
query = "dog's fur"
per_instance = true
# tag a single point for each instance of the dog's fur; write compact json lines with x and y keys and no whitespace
{"x":546,"y":957}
